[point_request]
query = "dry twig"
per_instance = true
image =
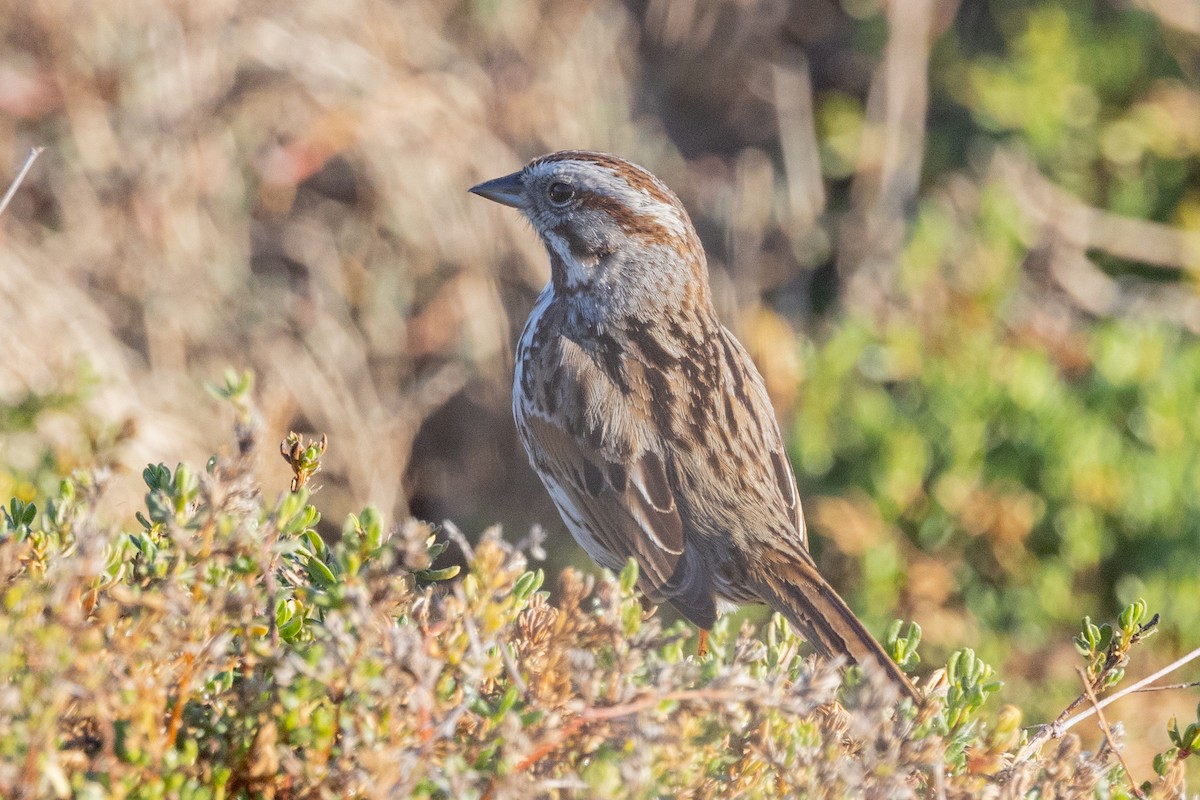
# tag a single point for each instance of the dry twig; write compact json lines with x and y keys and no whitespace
{"x":1061,"y":725}
{"x":1102,"y":723}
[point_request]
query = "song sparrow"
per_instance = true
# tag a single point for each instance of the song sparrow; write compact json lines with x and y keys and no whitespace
{"x":646,"y":419}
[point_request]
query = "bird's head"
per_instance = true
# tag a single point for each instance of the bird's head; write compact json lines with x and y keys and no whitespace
{"x":606,"y":223}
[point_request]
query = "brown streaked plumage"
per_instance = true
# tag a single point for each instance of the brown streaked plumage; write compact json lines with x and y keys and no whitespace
{"x":645,"y":417}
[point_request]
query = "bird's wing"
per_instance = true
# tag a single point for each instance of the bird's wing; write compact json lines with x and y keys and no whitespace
{"x":628,"y":509}
{"x":785,"y":480}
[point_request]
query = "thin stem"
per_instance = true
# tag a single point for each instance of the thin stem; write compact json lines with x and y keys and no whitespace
{"x":1102,"y":723}
{"x":1166,"y":687}
{"x":12,"y":189}
{"x":1061,"y":726}
{"x":1174,"y":665}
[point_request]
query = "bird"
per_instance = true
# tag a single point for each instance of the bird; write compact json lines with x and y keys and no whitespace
{"x":646,"y":419}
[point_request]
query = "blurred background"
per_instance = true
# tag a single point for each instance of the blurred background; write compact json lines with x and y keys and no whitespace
{"x":961,"y":241}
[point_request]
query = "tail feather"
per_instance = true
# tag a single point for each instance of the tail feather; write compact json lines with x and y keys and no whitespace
{"x":798,"y":592}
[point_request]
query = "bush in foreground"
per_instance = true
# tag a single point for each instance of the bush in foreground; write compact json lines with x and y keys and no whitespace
{"x":223,"y":649}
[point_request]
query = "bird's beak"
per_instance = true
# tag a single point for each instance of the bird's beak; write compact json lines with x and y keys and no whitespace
{"x":506,"y":191}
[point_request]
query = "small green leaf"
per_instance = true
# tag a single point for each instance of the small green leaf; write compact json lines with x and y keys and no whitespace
{"x":156,"y":476}
{"x":629,"y":576}
{"x":506,"y":703}
{"x":527,"y":584}
{"x":434,"y":575}
{"x":371,"y":523}
{"x":315,"y":543}
{"x":320,"y":573}
{"x":1164,"y":760}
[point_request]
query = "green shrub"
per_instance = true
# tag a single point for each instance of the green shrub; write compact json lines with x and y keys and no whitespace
{"x":222,"y":648}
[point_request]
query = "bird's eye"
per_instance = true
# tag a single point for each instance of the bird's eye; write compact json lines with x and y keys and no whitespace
{"x":560,"y":193}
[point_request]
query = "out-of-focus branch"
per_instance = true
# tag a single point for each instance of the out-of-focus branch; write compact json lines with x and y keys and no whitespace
{"x":12,"y":189}
{"x":1069,"y":228}
{"x":889,"y":168}
{"x":1091,"y":228}
{"x":798,"y":139}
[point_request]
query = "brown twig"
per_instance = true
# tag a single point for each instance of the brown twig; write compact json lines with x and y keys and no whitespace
{"x":1069,"y":230}
{"x":1062,"y":725}
{"x":12,"y":189}
{"x":303,"y":457}
{"x":1174,"y":665}
{"x":1115,"y":657}
{"x":1102,"y":723}
{"x":1170,"y":686}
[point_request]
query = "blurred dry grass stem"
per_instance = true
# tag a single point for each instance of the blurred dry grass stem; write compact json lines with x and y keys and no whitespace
{"x":16,"y":182}
{"x":889,"y":164}
{"x":1181,"y":14}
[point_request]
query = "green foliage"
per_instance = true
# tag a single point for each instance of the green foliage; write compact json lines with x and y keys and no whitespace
{"x":903,"y":649}
{"x":224,"y":648}
{"x":989,"y":454}
{"x":1044,"y":480}
{"x":970,"y":683}
{"x":237,"y":390}
{"x":1107,"y":653}
{"x":1169,"y":765}
{"x":1094,"y":97}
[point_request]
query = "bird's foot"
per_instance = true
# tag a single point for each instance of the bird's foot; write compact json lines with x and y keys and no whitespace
{"x":648,"y":609}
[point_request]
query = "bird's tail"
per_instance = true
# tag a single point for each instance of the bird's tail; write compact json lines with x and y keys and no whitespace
{"x":797,"y":591}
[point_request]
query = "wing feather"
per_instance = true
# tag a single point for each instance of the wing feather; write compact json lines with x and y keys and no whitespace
{"x":635,"y":516}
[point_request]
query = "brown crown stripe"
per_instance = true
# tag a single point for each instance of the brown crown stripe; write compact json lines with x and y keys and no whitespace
{"x":634,"y":175}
